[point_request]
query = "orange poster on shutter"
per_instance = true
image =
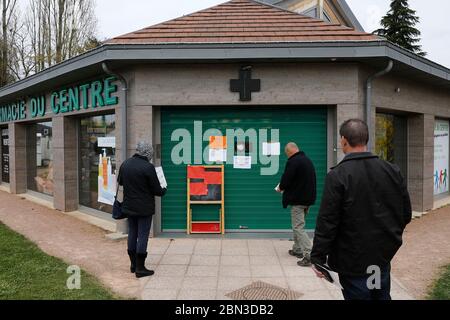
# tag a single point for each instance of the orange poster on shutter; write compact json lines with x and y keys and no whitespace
{"x":217,"y":142}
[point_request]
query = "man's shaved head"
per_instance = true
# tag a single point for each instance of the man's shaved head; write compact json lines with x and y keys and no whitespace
{"x":292,"y":146}
{"x":291,"y":149}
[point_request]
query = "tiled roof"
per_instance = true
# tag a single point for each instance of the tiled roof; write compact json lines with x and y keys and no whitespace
{"x":242,"y":21}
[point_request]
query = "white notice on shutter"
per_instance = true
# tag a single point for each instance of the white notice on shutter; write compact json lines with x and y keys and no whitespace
{"x":271,"y":149}
{"x":242,"y":162}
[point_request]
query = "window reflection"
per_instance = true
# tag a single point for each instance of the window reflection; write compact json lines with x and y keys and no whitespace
{"x":97,"y":162}
{"x":391,"y":140}
{"x":40,"y":158}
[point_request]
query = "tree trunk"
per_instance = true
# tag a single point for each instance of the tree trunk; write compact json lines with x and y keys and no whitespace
{"x":4,"y":49}
{"x":60,"y":30}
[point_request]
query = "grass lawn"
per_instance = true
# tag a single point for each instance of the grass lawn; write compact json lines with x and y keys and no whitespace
{"x":441,"y":288}
{"x":27,"y":273}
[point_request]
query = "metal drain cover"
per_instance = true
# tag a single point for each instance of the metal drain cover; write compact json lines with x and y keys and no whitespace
{"x":263,"y":291}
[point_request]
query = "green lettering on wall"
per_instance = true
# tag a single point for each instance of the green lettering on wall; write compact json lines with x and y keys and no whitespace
{"x":84,"y":95}
{"x":54,"y":103}
{"x":13,"y":112}
{"x":34,"y":107}
{"x":96,"y":94}
{"x":99,"y":93}
{"x":42,"y":106}
{"x":22,"y":110}
{"x":10,"y":118}
{"x":63,"y":101}
{"x":110,"y":88}
{"x":74,"y":99}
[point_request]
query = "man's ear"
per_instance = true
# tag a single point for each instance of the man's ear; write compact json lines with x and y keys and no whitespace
{"x":344,"y":142}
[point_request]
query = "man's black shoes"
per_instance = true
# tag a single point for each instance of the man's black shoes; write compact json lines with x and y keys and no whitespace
{"x":305,"y":262}
{"x":297,"y":255}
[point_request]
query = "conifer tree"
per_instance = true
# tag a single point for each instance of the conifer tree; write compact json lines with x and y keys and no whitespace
{"x":399,"y":26}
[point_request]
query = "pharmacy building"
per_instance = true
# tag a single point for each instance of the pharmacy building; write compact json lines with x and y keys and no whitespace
{"x":219,"y":93}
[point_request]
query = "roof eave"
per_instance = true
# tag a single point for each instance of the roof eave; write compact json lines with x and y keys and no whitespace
{"x":230,"y":51}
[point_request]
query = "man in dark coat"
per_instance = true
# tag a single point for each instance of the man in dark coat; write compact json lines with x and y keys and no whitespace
{"x":140,"y":186}
{"x":365,"y":209}
{"x":298,"y":185}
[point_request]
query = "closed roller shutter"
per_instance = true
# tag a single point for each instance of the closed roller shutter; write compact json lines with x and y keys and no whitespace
{"x":250,"y":200}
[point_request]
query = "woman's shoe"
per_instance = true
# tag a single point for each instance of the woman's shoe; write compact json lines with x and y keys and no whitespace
{"x":132,"y":255}
{"x":141,"y":270}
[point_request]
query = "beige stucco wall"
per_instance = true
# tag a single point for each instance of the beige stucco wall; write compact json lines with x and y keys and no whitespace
{"x":341,"y":86}
{"x":207,"y":84}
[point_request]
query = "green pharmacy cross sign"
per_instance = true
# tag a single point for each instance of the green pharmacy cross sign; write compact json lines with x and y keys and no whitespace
{"x":99,"y":93}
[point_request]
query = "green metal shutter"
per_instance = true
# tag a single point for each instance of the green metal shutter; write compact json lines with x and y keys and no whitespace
{"x":250,"y":200}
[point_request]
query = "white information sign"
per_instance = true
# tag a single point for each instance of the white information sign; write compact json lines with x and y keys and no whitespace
{"x":271,"y":148}
{"x":217,"y":155}
{"x":241,"y":162}
{"x":107,"y":142}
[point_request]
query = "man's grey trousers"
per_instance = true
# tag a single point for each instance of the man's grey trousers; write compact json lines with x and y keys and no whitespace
{"x":302,"y":243}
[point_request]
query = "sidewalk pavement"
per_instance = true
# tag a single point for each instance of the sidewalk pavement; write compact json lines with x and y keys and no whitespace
{"x":191,"y":269}
{"x":185,"y":268}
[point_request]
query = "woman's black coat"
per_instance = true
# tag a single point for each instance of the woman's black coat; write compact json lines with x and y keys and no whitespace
{"x":140,"y":186}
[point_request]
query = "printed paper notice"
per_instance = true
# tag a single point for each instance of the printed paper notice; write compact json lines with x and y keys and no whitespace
{"x":107,"y":142}
{"x":217,"y":155}
{"x":271,"y":149}
{"x":241,"y":162}
{"x":161,"y":177}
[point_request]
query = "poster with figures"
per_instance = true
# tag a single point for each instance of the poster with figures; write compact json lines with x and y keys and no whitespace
{"x":441,"y":159}
{"x":106,"y":180}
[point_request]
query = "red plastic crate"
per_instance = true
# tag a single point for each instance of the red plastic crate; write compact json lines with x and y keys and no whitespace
{"x":206,"y":227}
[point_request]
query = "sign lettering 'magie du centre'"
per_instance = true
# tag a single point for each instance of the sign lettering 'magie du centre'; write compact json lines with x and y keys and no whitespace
{"x":99,"y":93}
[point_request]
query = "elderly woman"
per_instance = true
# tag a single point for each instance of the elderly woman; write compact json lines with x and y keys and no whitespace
{"x":140,"y":186}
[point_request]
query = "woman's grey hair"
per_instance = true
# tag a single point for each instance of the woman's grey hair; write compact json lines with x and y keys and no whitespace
{"x":145,"y":149}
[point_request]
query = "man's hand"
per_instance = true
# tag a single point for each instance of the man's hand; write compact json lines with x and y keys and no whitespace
{"x":277,"y":189}
{"x":318,"y":273}
{"x":307,"y":211}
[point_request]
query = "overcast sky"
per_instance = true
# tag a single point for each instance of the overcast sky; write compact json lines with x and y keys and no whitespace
{"x":117,"y":17}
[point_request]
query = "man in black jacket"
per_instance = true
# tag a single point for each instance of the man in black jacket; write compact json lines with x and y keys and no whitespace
{"x":140,"y":186}
{"x":365,"y":209}
{"x":298,"y":185}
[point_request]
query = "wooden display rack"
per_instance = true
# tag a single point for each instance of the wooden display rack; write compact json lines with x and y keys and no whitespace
{"x":206,"y":227}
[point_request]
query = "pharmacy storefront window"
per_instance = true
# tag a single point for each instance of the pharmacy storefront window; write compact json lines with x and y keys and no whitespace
{"x":5,"y":154}
{"x":98,"y":162}
{"x":40,"y":158}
